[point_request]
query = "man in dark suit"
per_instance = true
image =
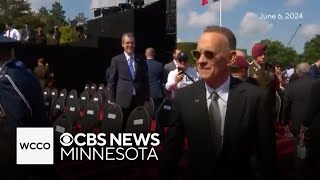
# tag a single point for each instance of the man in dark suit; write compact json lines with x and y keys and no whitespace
{"x":223,"y":119}
{"x":28,"y":35}
{"x":311,"y":128}
{"x":173,"y":64}
{"x":156,"y":75}
{"x":128,"y":84}
{"x":296,"y":100}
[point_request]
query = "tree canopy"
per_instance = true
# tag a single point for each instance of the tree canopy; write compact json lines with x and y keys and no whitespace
{"x":19,"y":12}
{"x":277,"y":51}
{"x":312,"y":49}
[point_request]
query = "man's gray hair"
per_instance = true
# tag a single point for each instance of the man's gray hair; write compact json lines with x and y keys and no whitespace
{"x":302,"y":68}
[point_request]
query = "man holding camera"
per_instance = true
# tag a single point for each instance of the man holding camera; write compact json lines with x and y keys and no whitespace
{"x":182,"y":76}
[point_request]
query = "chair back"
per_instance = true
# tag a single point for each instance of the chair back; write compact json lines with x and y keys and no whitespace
{"x":73,"y":95}
{"x":97,"y":97}
{"x":112,"y":119}
{"x":63,"y":94}
{"x":83,"y":99}
{"x":73,"y":110}
{"x":62,"y":125}
{"x":138,"y":121}
{"x":164,"y":112}
{"x":58,"y":108}
{"x":90,"y":117}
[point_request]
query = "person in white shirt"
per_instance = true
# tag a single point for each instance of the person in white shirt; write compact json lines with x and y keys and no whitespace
{"x":182,"y":76}
{"x":12,"y":32}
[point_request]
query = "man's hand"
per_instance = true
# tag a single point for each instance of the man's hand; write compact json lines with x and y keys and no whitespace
{"x":179,"y":77}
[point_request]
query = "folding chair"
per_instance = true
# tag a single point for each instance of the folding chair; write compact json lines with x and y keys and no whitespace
{"x":62,"y":125}
{"x":58,"y":108}
{"x":86,"y":87}
{"x":73,"y":95}
{"x":164,"y":112}
{"x":83,"y":99}
{"x":97,"y":97}
{"x":46,"y":92}
{"x":93,"y":89}
{"x":63,"y":94}
{"x":138,"y":121}
{"x":90,"y":117}
{"x":112,"y":119}
{"x":150,"y":107}
{"x":102,"y":90}
{"x":48,"y":104}
{"x":54,"y":94}
{"x":73,"y":110}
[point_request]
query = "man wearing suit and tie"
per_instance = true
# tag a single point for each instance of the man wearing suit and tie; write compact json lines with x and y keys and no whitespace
{"x":128,"y":84}
{"x":224,"y":119}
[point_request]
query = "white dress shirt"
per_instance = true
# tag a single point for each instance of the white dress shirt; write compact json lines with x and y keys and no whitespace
{"x":13,"y":33}
{"x":171,"y":82}
{"x":223,"y":92}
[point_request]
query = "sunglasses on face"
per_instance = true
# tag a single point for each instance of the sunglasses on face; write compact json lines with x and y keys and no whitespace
{"x":196,"y":54}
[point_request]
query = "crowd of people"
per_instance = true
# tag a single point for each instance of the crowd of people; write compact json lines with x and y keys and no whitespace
{"x":28,"y":35}
{"x":225,"y":107}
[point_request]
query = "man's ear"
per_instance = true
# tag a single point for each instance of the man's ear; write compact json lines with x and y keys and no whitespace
{"x":232,"y":57}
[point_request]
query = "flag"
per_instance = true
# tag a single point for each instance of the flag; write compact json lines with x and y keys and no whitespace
{"x":204,"y":2}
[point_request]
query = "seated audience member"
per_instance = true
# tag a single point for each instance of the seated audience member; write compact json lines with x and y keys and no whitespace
{"x":182,"y":76}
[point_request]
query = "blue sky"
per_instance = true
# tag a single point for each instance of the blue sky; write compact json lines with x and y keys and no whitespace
{"x":242,"y":16}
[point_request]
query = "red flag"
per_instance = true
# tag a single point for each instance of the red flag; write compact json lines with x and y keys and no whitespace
{"x":204,"y":2}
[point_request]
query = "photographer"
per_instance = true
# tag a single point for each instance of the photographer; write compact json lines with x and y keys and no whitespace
{"x":182,"y":76}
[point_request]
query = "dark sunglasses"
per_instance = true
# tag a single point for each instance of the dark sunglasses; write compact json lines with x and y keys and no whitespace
{"x":196,"y":54}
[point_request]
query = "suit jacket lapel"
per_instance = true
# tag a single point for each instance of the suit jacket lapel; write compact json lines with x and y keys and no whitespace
{"x":235,"y":109}
{"x":201,"y":107}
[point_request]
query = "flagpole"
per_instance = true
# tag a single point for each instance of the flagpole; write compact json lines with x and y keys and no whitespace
{"x":220,"y":12}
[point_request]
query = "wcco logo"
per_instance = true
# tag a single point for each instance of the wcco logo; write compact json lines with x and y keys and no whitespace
{"x":35,"y":146}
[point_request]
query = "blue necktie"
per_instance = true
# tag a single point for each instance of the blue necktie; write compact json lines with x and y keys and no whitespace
{"x":132,"y":73}
{"x":131,"y":67}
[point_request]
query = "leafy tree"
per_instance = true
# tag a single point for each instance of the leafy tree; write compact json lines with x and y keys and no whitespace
{"x":276,"y":51}
{"x":312,"y":49}
{"x":80,"y":18}
{"x":68,"y":34}
{"x":13,"y":10}
{"x":43,"y":11}
{"x":58,"y":14}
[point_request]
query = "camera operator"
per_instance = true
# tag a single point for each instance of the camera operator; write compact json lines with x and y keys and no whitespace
{"x":183,"y":75}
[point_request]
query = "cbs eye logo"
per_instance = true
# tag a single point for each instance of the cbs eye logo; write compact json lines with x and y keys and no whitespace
{"x":66,"y":139}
